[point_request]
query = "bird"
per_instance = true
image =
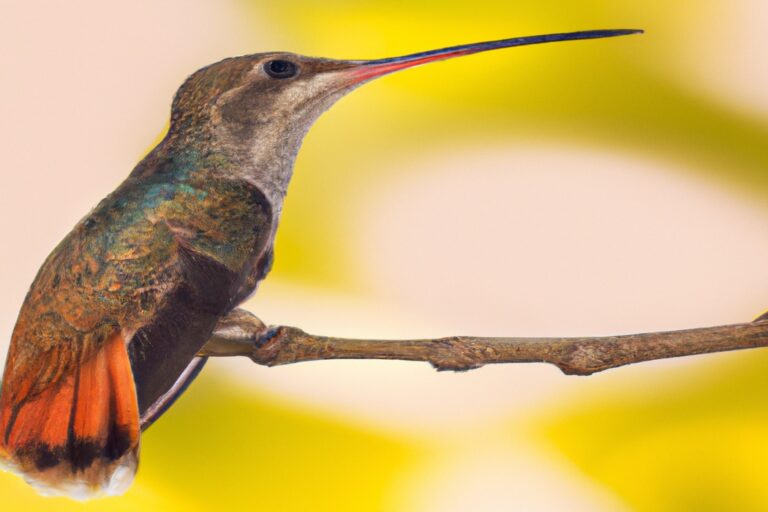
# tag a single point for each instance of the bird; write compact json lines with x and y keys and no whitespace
{"x":108,"y":334}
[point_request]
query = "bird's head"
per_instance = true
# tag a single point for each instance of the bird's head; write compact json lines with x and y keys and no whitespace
{"x":263,"y":104}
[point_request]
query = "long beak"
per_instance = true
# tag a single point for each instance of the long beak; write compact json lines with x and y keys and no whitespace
{"x":369,"y":69}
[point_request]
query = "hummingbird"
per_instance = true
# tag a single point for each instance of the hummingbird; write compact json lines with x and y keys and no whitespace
{"x":108,"y":333}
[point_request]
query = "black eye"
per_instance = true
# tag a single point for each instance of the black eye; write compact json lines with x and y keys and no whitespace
{"x":281,"y":69}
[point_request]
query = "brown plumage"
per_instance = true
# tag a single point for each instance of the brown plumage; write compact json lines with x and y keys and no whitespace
{"x":153,"y":287}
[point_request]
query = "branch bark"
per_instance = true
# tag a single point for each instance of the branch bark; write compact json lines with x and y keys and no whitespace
{"x":242,"y":334}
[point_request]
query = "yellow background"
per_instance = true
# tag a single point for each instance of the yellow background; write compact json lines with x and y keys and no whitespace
{"x":579,"y":188}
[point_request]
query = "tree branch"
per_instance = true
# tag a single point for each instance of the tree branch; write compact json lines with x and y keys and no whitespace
{"x":242,"y":334}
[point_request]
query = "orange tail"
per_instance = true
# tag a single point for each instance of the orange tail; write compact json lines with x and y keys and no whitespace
{"x":80,"y":435}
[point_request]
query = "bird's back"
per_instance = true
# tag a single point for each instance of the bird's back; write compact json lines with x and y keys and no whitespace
{"x":121,"y":306}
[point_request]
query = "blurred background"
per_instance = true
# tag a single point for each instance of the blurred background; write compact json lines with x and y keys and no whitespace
{"x":581,"y":188}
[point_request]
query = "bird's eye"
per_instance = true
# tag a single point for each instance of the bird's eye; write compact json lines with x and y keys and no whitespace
{"x":281,"y":69}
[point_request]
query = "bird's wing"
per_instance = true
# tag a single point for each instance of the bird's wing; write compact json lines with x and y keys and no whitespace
{"x":222,"y":230}
{"x":114,"y":316}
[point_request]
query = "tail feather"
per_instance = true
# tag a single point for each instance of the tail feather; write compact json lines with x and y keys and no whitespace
{"x":80,"y":436}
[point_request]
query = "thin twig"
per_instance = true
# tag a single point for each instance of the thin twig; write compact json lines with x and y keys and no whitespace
{"x":242,"y":334}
